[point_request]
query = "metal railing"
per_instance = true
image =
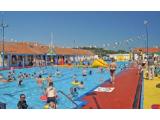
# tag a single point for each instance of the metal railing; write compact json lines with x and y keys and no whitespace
{"x":138,"y":100}
{"x":59,"y":91}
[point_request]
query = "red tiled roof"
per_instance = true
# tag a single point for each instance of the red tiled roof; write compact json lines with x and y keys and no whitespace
{"x":19,"y":48}
{"x":70,"y":51}
{"x":32,"y":48}
{"x":144,"y":50}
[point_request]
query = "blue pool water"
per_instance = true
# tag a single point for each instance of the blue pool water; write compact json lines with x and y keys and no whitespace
{"x":9,"y":92}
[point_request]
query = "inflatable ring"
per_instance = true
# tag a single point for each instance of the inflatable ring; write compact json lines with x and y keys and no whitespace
{"x":75,"y":83}
{"x":43,"y":98}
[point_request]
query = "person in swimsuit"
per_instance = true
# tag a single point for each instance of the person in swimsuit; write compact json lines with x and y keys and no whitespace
{"x":73,"y":92}
{"x":10,"y":79}
{"x":51,"y":93}
{"x":40,"y":81}
{"x":20,"y":80}
{"x":81,"y":85}
{"x":84,"y":72}
{"x":90,"y":72}
{"x":75,"y":78}
{"x":49,"y":79}
{"x":112,"y":68}
{"x":58,"y":73}
{"x":22,"y":104}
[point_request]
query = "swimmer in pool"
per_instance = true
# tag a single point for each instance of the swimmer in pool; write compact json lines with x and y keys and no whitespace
{"x":84,"y":72}
{"x":13,"y":72}
{"x":58,"y":73}
{"x":81,"y":85}
{"x":90,"y":72}
{"x":20,"y":80}
{"x":34,"y":75}
{"x":75,"y":78}
{"x":22,"y":104}
{"x":101,"y":69}
{"x":40,"y":81}
{"x":112,"y":68}
{"x":49,"y":79}
{"x":10,"y":79}
{"x":9,"y":73}
{"x":73,"y":92}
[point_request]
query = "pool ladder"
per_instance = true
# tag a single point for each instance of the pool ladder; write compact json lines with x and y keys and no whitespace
{"x":59,"y":91}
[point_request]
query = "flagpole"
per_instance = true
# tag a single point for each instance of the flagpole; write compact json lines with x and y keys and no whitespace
{"x":3,"y":26}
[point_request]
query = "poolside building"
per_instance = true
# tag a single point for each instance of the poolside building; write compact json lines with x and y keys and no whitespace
{"x":34,"y":54}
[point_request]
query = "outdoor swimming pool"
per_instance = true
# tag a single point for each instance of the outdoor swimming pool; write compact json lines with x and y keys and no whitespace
{"x":9,"y":92}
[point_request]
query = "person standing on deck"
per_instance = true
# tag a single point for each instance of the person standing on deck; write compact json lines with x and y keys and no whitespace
{"x":151,"y":68}
{"x":112,"y":68}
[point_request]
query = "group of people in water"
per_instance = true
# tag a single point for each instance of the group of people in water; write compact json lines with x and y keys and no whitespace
{"x":49,"y":89}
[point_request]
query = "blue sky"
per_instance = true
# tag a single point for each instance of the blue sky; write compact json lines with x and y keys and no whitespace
{"x":96,"y":28}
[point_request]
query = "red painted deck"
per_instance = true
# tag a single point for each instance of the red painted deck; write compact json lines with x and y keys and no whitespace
{"x":122,"y":97}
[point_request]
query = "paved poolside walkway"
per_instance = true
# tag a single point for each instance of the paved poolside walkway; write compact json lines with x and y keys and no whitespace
{"x":122,"y":97}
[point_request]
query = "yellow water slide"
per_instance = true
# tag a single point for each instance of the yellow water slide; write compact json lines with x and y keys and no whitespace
{"x":99,"y":63}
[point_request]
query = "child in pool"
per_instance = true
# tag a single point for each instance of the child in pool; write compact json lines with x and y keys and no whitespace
{"x":81,"y":85}
{"x":9,"y":78}
{"x":20,"y":80}
{"x":84,"y":72}
{"x":49,"y":79}
{"x":13,"y":72}
{"x":73,"y":92}
{"x":35,"y":75}
{"x":90,"y":72}
{"x":101,"y":70}
{"x":75,"y":79}
{"x":40,"y":81}
{"x":58,"y":73}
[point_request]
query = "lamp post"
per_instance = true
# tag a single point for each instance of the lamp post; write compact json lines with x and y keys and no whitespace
{"x":3,"y":26}
{"x":146,"y":27}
